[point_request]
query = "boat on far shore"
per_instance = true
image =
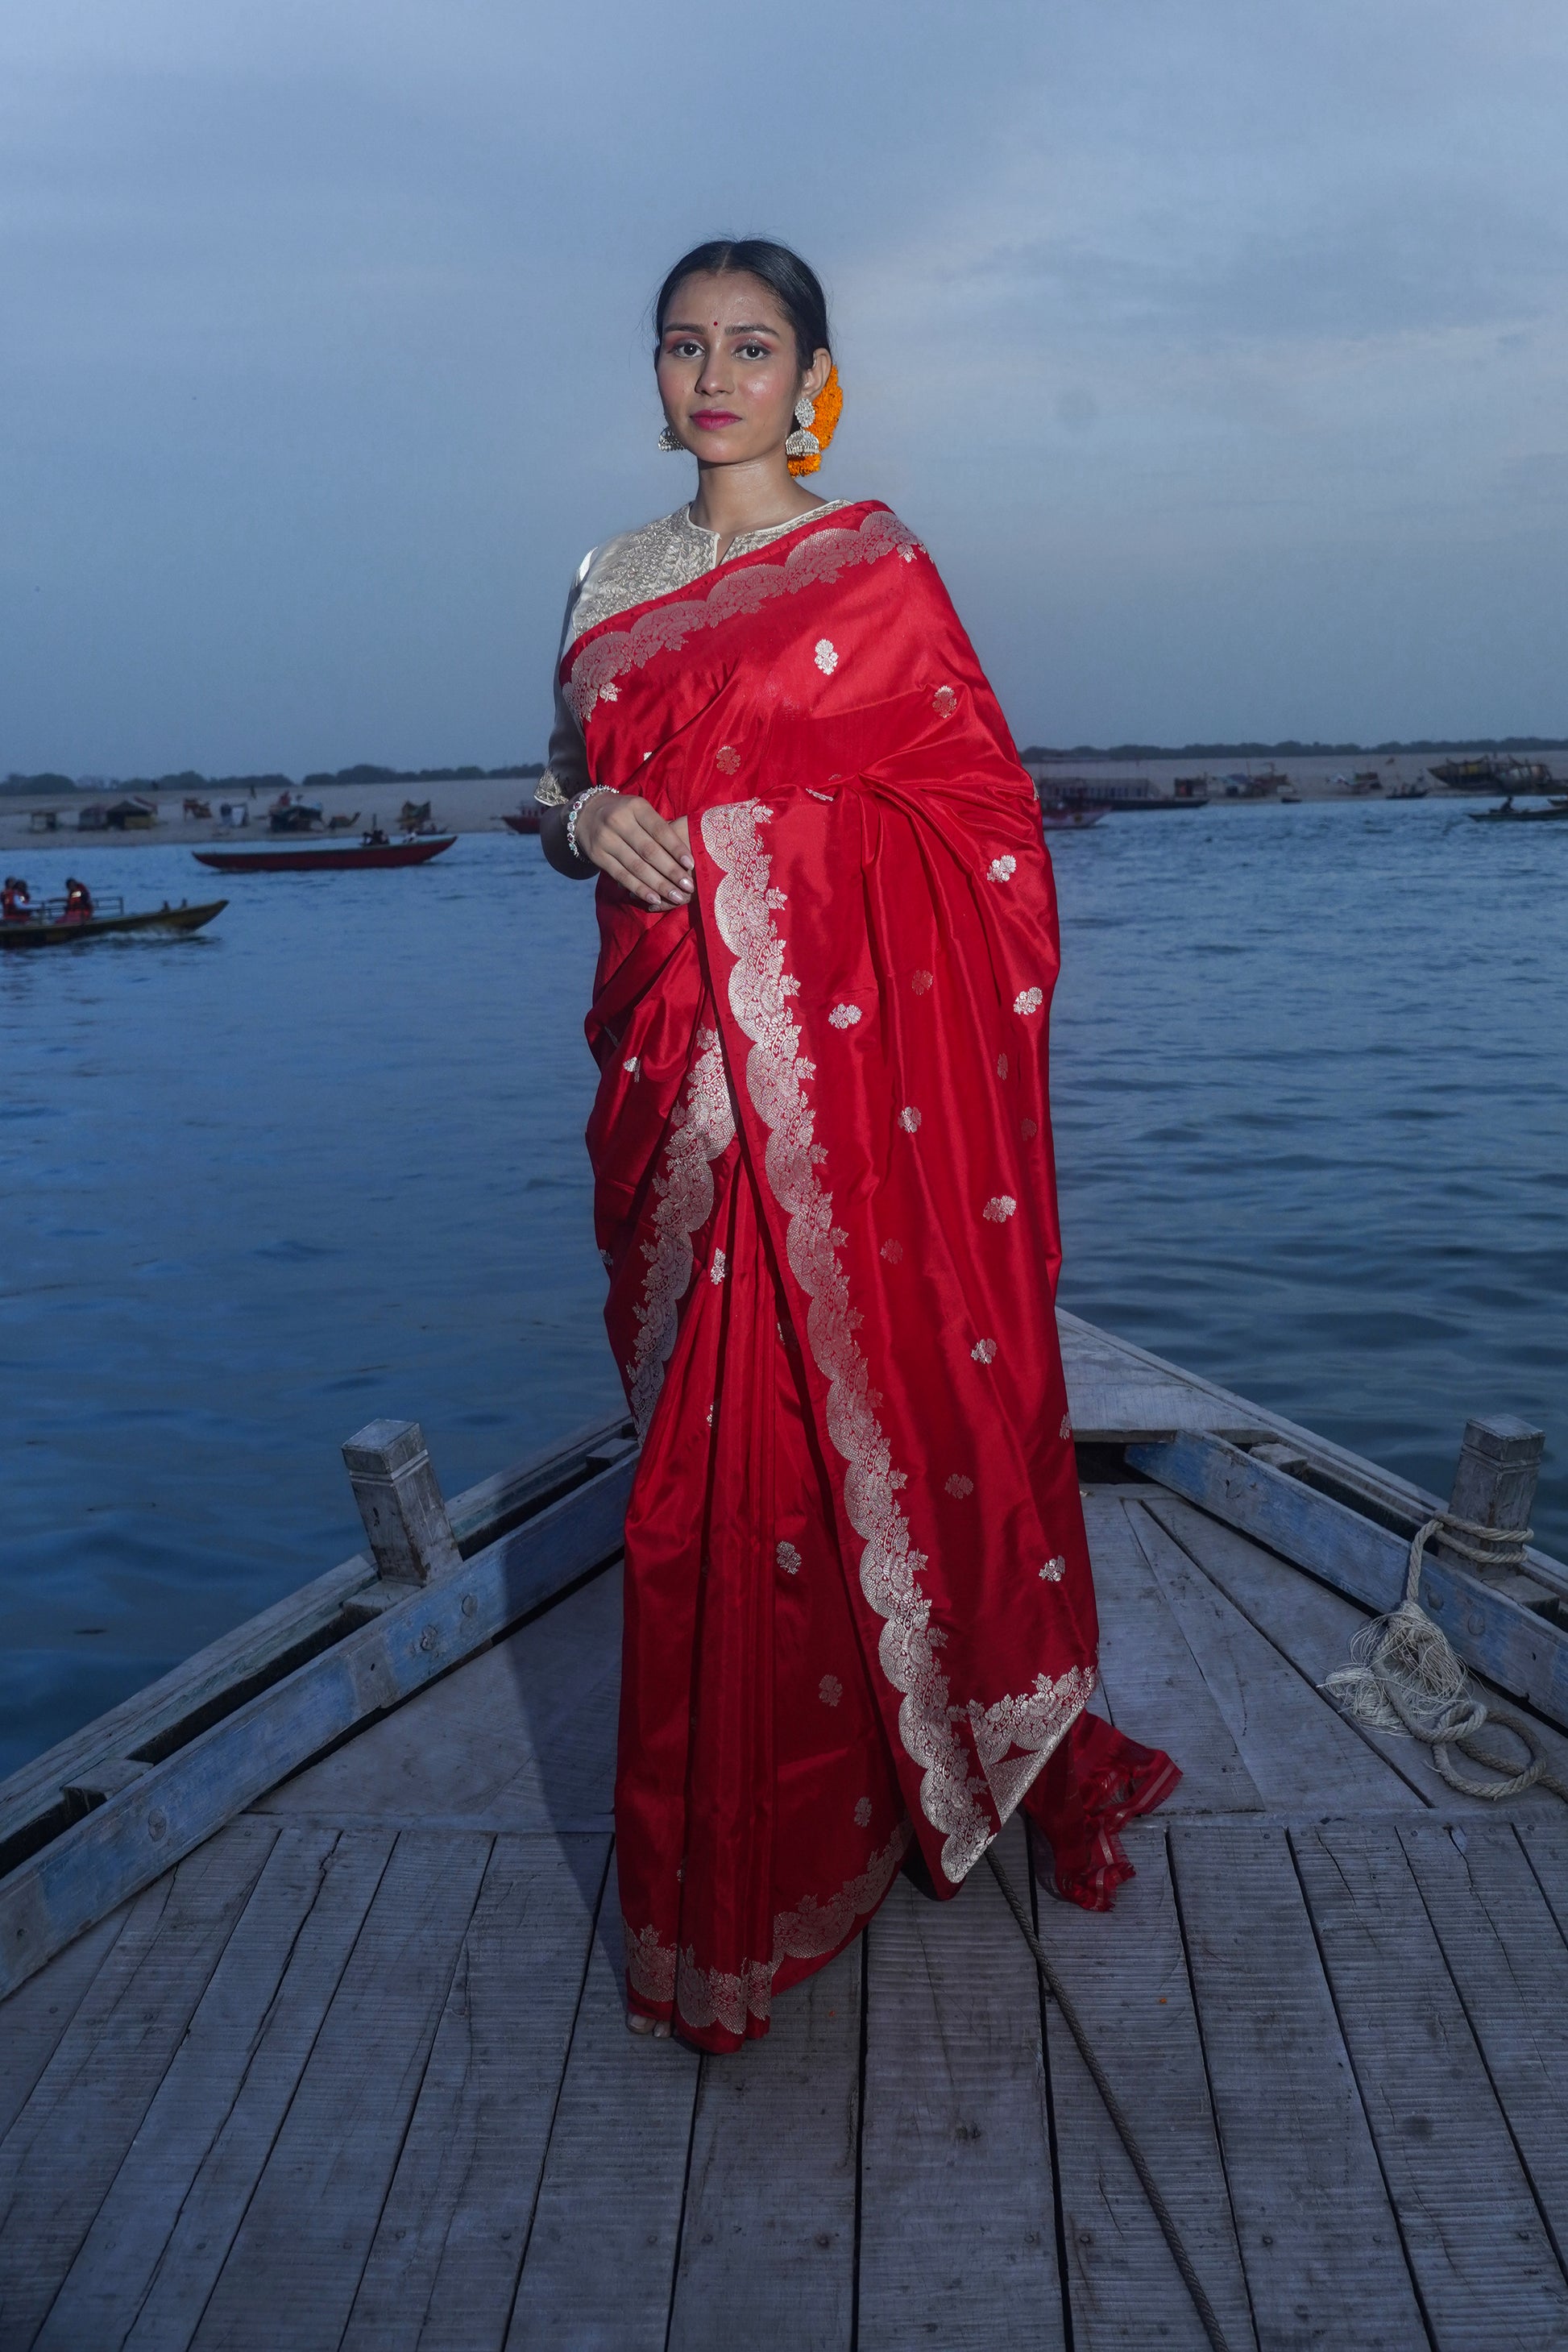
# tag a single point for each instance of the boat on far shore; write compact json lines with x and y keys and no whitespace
{"x":322,"y":858}
{"x":522,"y":820}
{"x":1069,"y":820}
{"x":1506,"y":770}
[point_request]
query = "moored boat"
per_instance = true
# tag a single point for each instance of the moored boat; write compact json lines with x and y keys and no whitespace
{"x":53,"y":927}
{"x":289,"y":813}
{"x":1069,"y":820}
{"x":522,"y":820}
{"x":342,"y":857}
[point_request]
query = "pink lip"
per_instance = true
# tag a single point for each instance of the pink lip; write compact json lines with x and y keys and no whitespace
{"x":709,"y":420}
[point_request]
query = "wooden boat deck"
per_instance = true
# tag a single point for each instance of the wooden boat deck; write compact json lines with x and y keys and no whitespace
{"x":354,"y":2072}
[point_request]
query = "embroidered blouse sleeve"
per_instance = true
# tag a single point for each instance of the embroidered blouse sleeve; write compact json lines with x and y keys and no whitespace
{"x":567,"y":773}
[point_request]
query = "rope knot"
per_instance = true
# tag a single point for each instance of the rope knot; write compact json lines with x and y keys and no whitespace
{"x":1408,"y":1679}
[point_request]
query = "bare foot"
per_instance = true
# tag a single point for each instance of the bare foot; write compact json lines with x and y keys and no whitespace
{"x":658,"y":2027}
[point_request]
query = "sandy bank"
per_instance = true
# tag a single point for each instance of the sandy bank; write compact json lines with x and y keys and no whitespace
{"x":474,"y":807}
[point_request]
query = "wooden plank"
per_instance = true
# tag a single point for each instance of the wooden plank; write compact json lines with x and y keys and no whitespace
{"x":287,"y":1950}
{"x":1545,"y":1842}
{"x":522,"y":1739}
{"x":1513,"y":1647}
{"x":1313,"y":1627}
{"x":490,"y":1509}
{"x":479,"y":1516}
{"x":1127,"y":1977}
{"x":767,"y":2242}
{"x":957,"y":2204}
{"x":1506,"y":1956}
{"x":1297,"y":1748}
{"x":615,"y":2178}
{"x":1150,"y":1679}
{"x":139,"y":1833}
{"x":1483,"y":2264}
{"x":33,"y":2020}
{"x":445,"y":2263}
{"x":1118,"y":1393}
{"x":1319,"y":2239}
{"x":295,"y":2265}
{"x":61,"y":2153}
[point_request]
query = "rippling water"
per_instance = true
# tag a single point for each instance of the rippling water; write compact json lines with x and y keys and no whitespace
{"x":325,"y":1162}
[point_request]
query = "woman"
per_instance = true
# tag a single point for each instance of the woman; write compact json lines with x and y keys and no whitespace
{"x":859,"y":1624}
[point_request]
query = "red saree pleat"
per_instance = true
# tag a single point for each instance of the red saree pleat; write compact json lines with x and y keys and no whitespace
{"x":753,"y":1769}
{"x":858,"y":1600}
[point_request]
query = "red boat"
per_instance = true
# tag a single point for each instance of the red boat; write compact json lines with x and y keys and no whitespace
{"x":522,"y":820}
{"x":340,"y":858}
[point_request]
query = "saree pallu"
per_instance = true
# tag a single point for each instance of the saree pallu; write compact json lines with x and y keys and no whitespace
{"x":858,"y":1607}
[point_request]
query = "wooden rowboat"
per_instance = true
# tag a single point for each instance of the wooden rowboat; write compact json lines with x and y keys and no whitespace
{"x":1505,"y":813}
{"x":312,"y":2032}
{"x":55,"y":932}
{"x":321,"y":859}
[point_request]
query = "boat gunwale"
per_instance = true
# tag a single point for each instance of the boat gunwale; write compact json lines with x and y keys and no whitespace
{"x":481,"y":1515}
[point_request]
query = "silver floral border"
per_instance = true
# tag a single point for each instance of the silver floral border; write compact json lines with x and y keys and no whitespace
{"x":776,"y":1071}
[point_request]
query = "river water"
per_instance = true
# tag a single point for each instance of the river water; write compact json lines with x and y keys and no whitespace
{"x":325,"y":1162}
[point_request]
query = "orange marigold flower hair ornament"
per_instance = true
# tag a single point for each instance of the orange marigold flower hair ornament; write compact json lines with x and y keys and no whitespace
{"x":816,"y":421}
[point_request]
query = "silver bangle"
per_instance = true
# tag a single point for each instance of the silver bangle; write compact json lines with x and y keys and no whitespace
{"x":574,"y":811}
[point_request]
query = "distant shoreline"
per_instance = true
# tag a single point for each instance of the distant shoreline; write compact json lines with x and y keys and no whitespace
{"x":478,"y":805}
{"x":471,"y":806}
{"x":48,"y":785}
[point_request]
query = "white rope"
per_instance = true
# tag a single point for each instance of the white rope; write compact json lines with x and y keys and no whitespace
{"x":1409,"y":1680}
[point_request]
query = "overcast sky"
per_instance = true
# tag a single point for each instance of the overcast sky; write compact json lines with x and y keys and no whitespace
{"x":1215,"y":348}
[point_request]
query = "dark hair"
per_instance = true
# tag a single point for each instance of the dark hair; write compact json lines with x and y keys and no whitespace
{"x":784,"y":273}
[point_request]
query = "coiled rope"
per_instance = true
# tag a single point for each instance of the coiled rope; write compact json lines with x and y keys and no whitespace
{"x":1075,"y":2026}
{"x":1408,"y":1679}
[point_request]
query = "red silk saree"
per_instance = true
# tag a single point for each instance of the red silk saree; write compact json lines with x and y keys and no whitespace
{"x":858,"y":1607}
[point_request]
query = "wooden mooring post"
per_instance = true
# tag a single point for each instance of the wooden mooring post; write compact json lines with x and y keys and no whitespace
{"x":1494,"y":1487}
{"x":401,"y":1503}
{"x":1500,"y":1463}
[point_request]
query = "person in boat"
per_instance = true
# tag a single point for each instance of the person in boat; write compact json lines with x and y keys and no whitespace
{"x":859,"y":1628}
{"x":79,"y":901}
{"x":16,"y":900}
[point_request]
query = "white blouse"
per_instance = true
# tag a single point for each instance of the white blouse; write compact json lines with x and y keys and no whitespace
{"x":663,"y":555}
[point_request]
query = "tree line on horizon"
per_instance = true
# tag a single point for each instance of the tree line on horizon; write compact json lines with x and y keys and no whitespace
{"x":189,"y":780}
{"x":1291,"y":749}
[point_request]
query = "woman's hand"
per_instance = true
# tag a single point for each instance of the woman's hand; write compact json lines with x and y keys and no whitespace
{"x":625,"y":837}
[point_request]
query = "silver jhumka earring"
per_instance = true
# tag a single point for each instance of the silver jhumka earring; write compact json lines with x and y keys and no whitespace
{"x":667,"y":439}
{"x":803,"y":442}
